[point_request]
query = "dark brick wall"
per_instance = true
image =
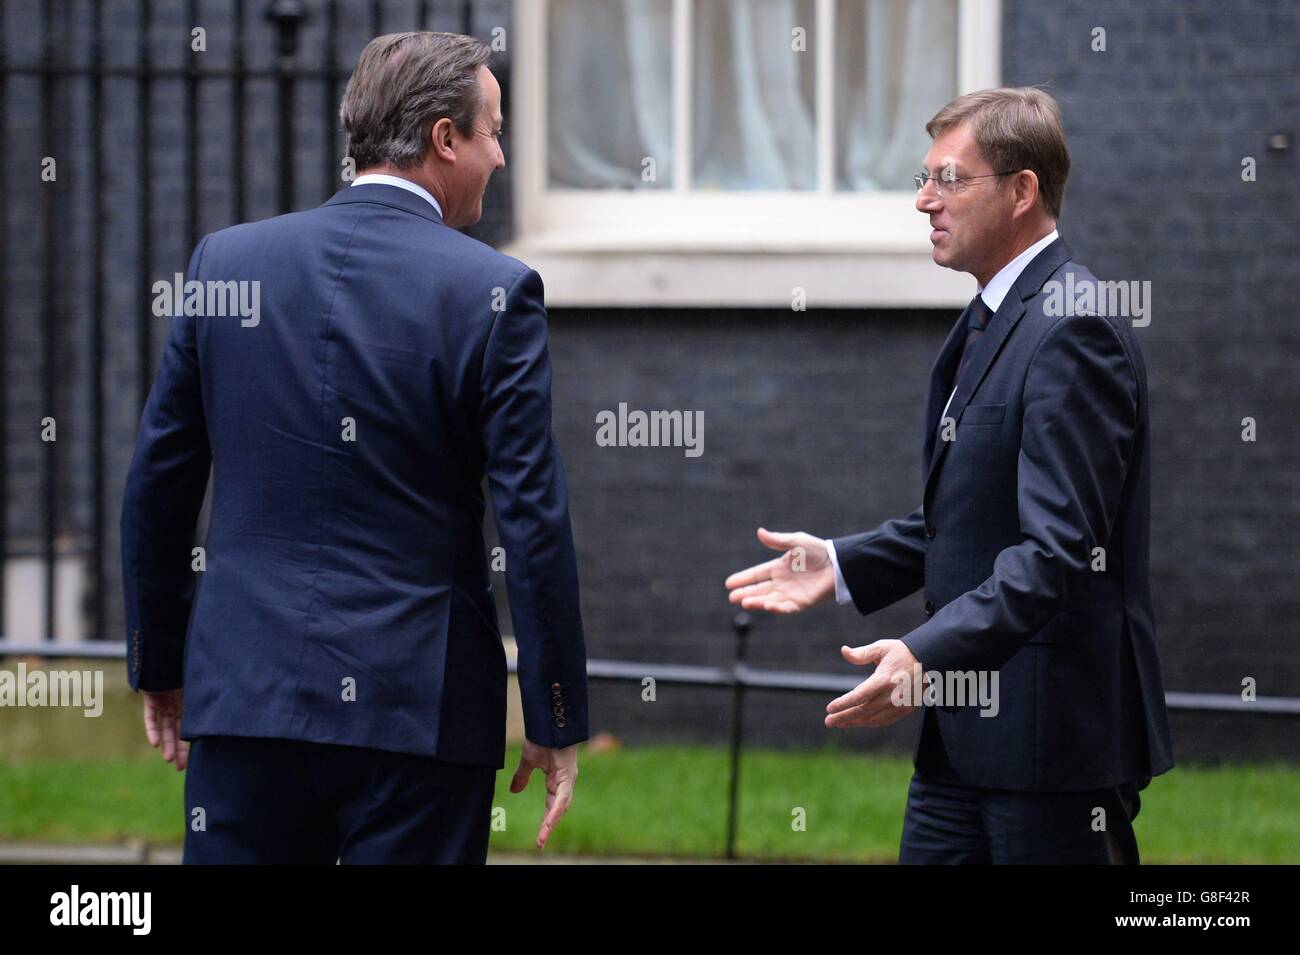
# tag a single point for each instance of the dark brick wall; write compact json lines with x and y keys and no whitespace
{"x":811,"y":419}
{"x":1159,"y":125}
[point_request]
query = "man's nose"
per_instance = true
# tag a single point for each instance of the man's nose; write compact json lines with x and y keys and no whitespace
{"x":928,"y":199}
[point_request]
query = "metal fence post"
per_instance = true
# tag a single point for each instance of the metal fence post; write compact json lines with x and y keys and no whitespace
{"x":741,"y":623}
{"x":288,"y":17}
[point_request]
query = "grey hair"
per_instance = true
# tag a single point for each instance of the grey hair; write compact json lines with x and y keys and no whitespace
{"x":1015,"y":128}
{"x":403,"y":84}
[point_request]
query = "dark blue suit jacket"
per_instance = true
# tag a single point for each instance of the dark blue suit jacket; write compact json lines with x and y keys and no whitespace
{"x":334,"y":564}
{"x":1051,"y":459}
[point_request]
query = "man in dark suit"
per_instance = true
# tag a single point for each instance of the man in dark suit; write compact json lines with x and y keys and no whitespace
{"x":334,"y":677}
{"x":1030,"y":543}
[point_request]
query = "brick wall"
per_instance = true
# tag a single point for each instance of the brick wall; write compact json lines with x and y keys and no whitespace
{"x":812,"y":419}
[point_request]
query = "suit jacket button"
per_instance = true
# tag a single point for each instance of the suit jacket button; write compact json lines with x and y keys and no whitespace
{"x":929,"y":608}
{"x":555,"y":688}
{"x":559,"y":710}
{"x":560,"y":722}
{"x":929,"y":532}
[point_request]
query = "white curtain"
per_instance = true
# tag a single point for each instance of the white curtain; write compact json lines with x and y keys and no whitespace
{"x":754,"y":127}
{"x":896,"y":66}
{"x":753,"y":95}
{"x":609,"y":78}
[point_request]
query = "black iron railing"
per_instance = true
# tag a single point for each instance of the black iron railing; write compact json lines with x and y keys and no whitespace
{"x":56,"y":73}
{"x":739,"y":677}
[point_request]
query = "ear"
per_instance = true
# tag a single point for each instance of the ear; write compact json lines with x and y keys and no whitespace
{"x":440,"y":140}
{"x":1025,"y":197}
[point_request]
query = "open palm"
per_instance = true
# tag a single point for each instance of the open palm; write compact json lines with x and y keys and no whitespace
{"x":801,"y":577}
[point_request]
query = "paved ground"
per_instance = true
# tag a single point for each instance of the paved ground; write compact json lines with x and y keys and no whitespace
{"x":142,"y":854}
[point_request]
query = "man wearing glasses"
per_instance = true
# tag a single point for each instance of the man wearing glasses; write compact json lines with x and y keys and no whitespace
{"x":1030,"y":543}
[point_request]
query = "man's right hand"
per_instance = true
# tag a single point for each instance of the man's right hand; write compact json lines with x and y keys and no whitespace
{"x":798,"y":579}
{"x":560,"y":767}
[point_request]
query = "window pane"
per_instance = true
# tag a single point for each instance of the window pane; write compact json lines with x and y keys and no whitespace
{"x":895,"y":67}
{"x":754,"y":125}
{"x":609,"y":93}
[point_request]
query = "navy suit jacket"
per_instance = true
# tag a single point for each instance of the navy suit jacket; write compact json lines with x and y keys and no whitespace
{"x":1051,"y":459}
{"x":347,"y":595}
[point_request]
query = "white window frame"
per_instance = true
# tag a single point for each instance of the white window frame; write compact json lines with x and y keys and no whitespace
{"x":739,"y":248}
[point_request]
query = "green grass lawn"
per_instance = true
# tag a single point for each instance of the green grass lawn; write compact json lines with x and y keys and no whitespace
{"x":671,"y":801}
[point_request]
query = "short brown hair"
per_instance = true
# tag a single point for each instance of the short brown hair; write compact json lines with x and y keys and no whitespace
{"x":1015,"y":128}
{"x":403,"y":84}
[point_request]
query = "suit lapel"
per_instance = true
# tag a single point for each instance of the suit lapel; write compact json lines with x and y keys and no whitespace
{"x":941,"y":375}
{"x":986,"y":349}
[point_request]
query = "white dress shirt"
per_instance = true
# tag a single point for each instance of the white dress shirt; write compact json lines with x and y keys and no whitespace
{"x":992,"y":294}
{"x":400,"y":183}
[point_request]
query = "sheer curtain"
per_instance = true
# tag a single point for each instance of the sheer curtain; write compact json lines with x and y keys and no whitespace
{"x":754,"y":124}
{"x":753,"y":95}
{"x":896,"y":66}
{"x":609,"y":77}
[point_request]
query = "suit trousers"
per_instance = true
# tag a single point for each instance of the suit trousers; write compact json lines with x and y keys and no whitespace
{"x":949,"y":822}
{"x":283,"y":801}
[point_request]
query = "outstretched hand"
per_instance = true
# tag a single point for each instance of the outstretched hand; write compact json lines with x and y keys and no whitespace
{"x":886,"y":696}
{"x":800,"y":578}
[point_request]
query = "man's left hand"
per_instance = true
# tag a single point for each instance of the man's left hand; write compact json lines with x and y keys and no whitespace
{"x":871,"y":703}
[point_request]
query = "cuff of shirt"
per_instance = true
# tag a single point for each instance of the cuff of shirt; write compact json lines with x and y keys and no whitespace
{"x":842,"y":595}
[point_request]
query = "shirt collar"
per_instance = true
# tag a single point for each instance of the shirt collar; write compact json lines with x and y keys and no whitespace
{"x":385,"y":180}
{"x":1000,"y":284}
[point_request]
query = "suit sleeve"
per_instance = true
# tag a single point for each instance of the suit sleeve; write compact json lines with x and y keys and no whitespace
{"x":160,"y":508}
{"x":1077,"y":436}
{"x":884,"y":565}
{"x":531,"y":502}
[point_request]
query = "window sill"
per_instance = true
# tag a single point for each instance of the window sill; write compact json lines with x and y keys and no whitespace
{"x":619,"y":276}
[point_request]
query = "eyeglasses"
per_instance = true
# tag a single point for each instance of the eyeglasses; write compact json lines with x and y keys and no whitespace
{"x":953,"y":186}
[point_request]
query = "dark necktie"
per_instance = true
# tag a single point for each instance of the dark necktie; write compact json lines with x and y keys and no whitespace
{"x":978,"y":321}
